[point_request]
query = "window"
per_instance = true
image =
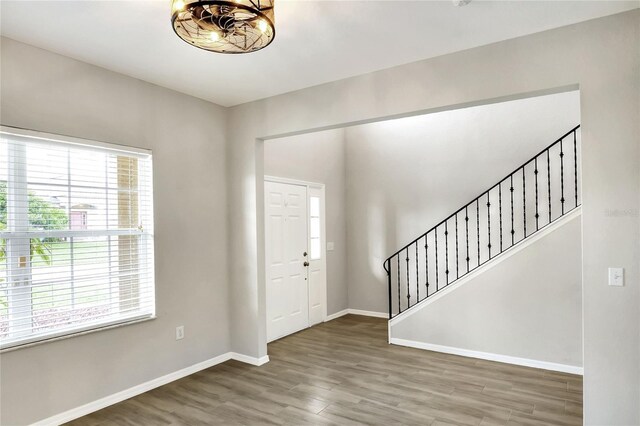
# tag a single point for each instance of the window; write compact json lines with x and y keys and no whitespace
{"x":314,"y":228}
{"x":76,"y":236}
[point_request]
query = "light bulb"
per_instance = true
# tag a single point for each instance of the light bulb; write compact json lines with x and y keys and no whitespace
{"x":178,"y":5}
{"x":214,"y":36}
{"x":262,"y":25}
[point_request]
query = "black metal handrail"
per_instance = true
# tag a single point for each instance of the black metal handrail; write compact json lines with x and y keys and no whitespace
{"x":555,"y":179}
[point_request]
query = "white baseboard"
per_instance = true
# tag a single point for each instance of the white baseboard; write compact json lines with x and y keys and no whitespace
{"x":489,"y":356}
{"x":369,"y":313}
{"x":356,"y":312}
{"x":250,"y":359}
{"x":336,"y":315}
{"x":101,"y":403}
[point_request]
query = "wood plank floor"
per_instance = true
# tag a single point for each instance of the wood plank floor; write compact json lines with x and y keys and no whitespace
{"x":343,"y":372}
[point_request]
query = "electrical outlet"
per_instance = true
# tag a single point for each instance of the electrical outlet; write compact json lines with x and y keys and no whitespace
{"x":180,"y":332}
{"x":616,"y":277}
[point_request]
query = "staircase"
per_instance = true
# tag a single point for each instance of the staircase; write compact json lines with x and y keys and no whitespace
{"x":536,"y":194}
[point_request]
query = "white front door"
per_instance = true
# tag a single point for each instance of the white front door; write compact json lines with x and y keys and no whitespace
{"x":286,"y":259}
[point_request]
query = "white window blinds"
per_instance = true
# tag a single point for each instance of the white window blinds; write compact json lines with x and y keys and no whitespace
{"x":76,"y":236}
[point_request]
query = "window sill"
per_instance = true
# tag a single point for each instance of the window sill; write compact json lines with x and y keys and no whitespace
{"x":77,"y":333}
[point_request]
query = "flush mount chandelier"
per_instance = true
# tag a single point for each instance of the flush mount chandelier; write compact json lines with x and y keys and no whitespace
{"x":239,"y":26}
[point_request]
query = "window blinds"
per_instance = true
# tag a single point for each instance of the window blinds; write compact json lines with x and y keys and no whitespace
{"x":76,"y":236}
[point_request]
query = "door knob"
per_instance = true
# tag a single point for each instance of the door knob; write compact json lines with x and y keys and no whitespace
{"x":306,"y":263}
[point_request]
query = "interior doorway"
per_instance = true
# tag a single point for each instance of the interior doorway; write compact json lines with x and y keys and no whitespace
{"x":295,"y":266}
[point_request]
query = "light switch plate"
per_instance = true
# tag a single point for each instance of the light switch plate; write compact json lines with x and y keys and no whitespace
{"x":616,"y":277}
{"x":329,"y":245}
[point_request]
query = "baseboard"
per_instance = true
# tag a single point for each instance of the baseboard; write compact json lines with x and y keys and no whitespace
{"x":369,"y":313}
{"x":356,"y":312}
{"x":489,"y":356}
{"x":336,"y":315}
{"x":101,"y":403}
{"x":250,"y":359}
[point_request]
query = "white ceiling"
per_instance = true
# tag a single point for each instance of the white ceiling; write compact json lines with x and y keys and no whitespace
{"x":316,"y":41}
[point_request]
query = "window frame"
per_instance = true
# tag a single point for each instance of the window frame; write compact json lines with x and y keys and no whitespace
{"x":33,"y":136}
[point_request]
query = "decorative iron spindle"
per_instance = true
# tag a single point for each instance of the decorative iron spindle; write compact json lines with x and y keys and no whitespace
{"x":408,"y":291}
{"x":417,"y":277}
{"x":524,"y":202}
{"x":478,"y":226}
{"x":489,"y":223}
{"x":457,"y":269}
{"x":437,"y":272}
{"x":466,"y":224}
{"x":549,"y":182}
{"x":575,"y":165}
{"x":399,"y":297}
{"x":535,"y":171}
{"x":388,"y":269}
{"x":426,"y":262}
{"x":561,"y":178}
{"x":500,"y":211}
{"x":513,"y":231}
{"x":446,"y":250}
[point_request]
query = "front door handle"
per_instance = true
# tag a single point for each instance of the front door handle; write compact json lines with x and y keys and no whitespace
{"x":306,"y":263}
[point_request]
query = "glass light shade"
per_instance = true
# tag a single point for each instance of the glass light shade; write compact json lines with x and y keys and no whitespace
{"x":240,"y":26}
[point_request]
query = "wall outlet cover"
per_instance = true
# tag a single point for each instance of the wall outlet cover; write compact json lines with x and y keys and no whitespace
{"x":180,"y":332}
{"x":616,"y":277}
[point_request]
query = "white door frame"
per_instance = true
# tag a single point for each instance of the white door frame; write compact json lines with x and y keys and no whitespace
{"x":323,"y":231}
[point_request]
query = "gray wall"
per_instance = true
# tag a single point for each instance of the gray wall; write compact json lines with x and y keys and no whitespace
{"x":516,"y":308}
{"x":405,"y":176}
{"x":52,"y":93}
{"x":601,"y":57}
{"x":319,"y":157}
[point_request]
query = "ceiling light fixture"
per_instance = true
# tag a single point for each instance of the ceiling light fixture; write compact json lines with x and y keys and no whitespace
{"x":239,"y":26}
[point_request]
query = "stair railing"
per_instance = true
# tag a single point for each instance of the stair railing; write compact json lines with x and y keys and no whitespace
{"x":536,"y":194}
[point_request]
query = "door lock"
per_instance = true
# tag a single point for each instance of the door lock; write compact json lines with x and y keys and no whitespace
{"x":304,"y":254}
{"x":306,"y":263}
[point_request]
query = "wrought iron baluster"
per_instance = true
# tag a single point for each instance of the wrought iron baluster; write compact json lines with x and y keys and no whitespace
{"x":435,"y":230}
{"x":466,"y":223}
{"x":426,"y":261}
{"x":399,"y":297}
{"x":535,"y":171}
{"x":457,"y":255}
{"x":575,"y":165}
{"x":549,"y":182}
{"x":388,"y":268}
{"x":561,"y":178}
{"x":489,"y":222}
{"x":500,"y":211}
{"x":513,"y":231}
{"x":417,"y":277}
{"x":446,"y":250}
{"x":478,"y":227}
{"x":408,"y":291}
{"x":524,"y":202}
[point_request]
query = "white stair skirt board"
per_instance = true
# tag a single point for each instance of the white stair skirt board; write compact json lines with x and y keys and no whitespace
{"x":486,"y":266}
{"x":356,"y":312}
{"x":489,"y":356}
{"x":101,"y":403}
